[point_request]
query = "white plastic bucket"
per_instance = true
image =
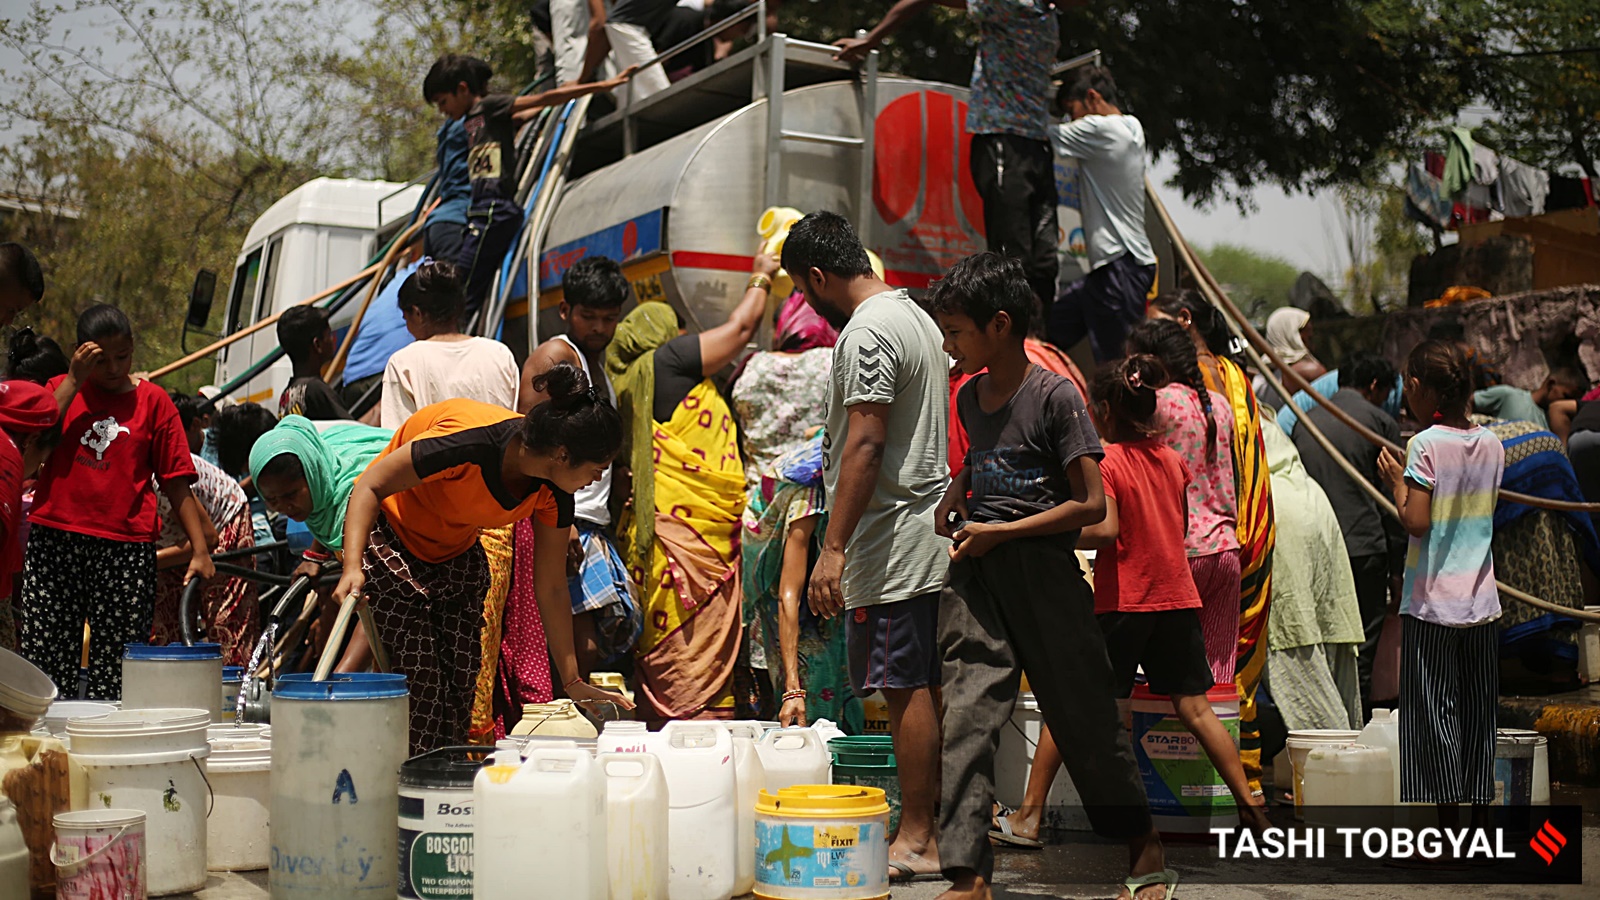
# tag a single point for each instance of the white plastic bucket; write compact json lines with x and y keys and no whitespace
{"x":237,"y":838}
{"x":173,"y":676}
{"x":100,"y":853}
{"x":336,"y":754}
{"x":1014,"y":761}
{"x":1541,"y":761}
{"x":1589,"y":649}
{"x":55,"y":719}
{"x":152,"y":760}
{"x":1301,"y":744}
{"x":230,"y":733}
{"x":14,"y":858}
{"x":25,"y":693}
{"x":1514,"y":767}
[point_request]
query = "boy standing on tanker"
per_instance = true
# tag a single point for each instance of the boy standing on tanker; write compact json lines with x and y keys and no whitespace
{"x":1016,"y":598}
{"x":883,"y":457}
{"x":458,"y":86}
{"x":1110,"y":149}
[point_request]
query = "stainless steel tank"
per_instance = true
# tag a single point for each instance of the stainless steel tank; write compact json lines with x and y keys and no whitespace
{"x":681,"y":215}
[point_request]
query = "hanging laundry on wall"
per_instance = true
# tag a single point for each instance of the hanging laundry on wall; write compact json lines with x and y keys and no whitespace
{"x":1523,"y":188}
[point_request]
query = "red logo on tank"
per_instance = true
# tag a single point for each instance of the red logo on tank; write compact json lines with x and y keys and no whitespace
{"x":926,"y":155}
{"x":922,"y":183}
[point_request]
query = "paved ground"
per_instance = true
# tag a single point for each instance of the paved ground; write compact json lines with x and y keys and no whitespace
{"x":1088,"y":872}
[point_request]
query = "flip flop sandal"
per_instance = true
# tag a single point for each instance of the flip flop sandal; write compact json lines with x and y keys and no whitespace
{"x":905,"y":874}
{"x":1166,"y":877}
{"x":1002,"y":832}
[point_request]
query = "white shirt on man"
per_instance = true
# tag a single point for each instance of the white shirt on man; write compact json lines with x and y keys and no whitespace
{"x":1110,"y":151}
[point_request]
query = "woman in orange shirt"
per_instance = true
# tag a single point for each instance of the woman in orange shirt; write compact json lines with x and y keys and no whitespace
{"x":453,"y":469}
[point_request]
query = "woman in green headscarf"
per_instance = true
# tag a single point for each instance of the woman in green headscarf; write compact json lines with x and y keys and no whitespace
{"x":680,"y":537}
{"x":307,"y":474}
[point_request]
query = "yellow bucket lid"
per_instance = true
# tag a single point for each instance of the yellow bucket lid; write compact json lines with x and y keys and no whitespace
{"x":824,"y":801}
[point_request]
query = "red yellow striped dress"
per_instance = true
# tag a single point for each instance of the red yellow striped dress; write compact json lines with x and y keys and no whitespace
{"x":1257,"y":537}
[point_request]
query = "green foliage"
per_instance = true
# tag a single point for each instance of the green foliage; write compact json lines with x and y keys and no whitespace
{"x":1548,"y":105}
{"x":170,"y":145}
{"x":1276,"y":92}
{"x":1258,"y":282}
{"x":938,"y":45}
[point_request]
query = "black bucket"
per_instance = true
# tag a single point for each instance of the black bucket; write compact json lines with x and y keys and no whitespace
{"x":436,"y":823}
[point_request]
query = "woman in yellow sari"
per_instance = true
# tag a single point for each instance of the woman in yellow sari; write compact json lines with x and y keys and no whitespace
{"x":680,"y":536}
{"x":1256,"y":528}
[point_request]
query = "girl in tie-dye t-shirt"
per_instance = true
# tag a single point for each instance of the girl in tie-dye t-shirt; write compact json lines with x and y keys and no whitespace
{"x":1449,"y":679}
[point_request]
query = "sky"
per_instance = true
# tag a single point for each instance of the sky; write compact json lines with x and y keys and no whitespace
{"x":1301,"y":229}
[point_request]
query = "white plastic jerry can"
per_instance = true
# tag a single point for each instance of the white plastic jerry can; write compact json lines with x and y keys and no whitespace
{"x":636,"y":825}
{"x":749,"y":777}
{"x":540,"y":825}
{"x":792,"y":756}
{"x":702,"y":796}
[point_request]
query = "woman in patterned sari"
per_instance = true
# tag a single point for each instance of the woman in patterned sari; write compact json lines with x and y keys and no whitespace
{"x":680,"y":537}
{"x":1540,"y":551}
{"x":780,"y":397}
{"x":1257,"y":532}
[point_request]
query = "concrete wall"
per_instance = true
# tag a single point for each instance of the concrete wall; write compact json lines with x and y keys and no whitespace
{"x":1526,"y":334}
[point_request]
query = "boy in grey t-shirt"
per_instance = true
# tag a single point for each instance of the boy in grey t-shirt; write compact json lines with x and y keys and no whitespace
{"x":1016,"y":599}
{"x":882,"y":564}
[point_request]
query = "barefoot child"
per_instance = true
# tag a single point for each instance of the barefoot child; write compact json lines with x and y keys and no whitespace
{"x":1144,"y":595}
{"x":1016,"y":598}
{"x":1449,"y":648}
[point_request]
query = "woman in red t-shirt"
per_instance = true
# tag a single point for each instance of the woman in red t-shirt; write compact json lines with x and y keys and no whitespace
{"x":92,"y":545}
{"x":28,"y":432}
{"x":1144,"y":594}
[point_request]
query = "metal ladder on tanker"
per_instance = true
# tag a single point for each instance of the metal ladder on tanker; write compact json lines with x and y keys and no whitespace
{"x":762,"y":71}
{"x":569,"y":146}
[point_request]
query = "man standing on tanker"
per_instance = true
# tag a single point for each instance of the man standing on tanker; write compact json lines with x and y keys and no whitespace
{"x":882,"y":563}
{"x":1110,"y":149}
{"x":1009,"y":120}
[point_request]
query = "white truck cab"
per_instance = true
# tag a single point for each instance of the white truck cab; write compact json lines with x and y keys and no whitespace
{"x":317,"y":235}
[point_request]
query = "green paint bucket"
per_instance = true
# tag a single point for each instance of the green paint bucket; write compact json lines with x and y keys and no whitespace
{"x":867,"y":760}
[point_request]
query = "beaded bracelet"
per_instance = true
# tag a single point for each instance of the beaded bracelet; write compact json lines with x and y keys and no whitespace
{"x":794,"y":695}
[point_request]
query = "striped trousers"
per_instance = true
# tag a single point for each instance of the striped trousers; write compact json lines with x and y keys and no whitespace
{"x":1449,"y":686}
{"x":1216,"y":576}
